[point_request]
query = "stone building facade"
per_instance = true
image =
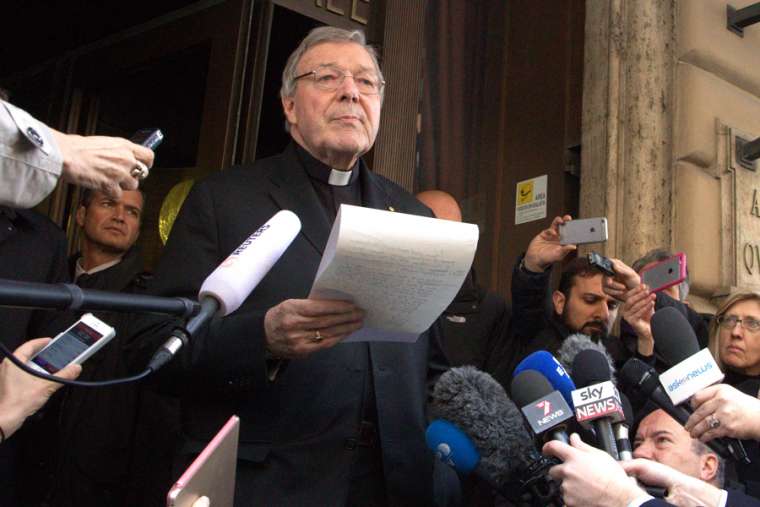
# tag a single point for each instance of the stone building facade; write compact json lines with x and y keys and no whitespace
{"x":668,"y":89}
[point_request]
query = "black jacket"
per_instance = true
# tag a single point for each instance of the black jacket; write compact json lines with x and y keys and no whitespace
{"x":297,"y":430}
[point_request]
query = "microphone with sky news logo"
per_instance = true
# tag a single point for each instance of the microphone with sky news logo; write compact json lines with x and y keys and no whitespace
{"x":597,"y":403}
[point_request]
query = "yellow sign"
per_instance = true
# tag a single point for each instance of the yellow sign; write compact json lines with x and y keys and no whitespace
{"x":525,"y":192}
{"x":530,"y":199}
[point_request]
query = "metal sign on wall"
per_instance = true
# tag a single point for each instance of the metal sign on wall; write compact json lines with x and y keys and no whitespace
{"x":530,"y":199}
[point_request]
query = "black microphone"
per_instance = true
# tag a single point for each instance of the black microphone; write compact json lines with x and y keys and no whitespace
{"x":477,"y":404}
{"x":645,"y":381}
{"x":674,"y":338}
{"x":576,"y":343}
{"x":65,"y":296}
{"x":544,"y":408}
{"x":677,"y":343}
{"x":621,"y":430}
{"x":602,"y":400}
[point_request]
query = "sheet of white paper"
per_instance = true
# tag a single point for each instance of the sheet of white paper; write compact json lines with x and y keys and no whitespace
{"x":403,"y":270}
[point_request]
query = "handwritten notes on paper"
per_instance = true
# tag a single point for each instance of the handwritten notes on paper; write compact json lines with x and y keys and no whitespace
{"x":403,"y":270}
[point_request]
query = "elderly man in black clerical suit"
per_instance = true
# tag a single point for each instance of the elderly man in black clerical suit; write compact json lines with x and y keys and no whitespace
{"x":322,"y":422}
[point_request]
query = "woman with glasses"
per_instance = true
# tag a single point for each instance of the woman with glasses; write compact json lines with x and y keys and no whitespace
{"x":735,"y":339}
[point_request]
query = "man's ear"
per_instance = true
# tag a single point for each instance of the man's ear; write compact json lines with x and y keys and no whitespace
{"x":708,"y":467}
{"x":81,"y":212}
{"x":559,"y":301}
{"x":289,"y":109}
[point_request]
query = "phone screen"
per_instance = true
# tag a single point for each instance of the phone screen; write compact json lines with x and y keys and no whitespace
{"x":67,"y":347}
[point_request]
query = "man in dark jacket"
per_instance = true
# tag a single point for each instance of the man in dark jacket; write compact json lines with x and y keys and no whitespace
{"x":542,"y":320}
{"x":116,"y":443}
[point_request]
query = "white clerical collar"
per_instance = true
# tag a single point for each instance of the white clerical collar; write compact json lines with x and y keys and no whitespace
{"x":339,"y":178}
{"x":79,"y":270}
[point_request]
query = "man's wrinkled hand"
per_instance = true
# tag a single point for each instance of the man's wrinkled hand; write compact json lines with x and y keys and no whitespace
{"x":297,"y":328}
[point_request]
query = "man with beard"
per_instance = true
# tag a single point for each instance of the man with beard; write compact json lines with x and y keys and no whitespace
{"x":542,"y":319}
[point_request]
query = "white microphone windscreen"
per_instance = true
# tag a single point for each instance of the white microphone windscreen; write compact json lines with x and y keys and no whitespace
{"x":235,"y":278}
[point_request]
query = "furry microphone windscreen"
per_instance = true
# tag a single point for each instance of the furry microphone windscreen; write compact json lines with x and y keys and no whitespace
{"x":476,"y":403}
{"x":576,"y":343}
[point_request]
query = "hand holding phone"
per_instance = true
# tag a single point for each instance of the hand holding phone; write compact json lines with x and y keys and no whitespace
{"x":583,"y":231}
{"x":150,"y":137}
{"x":666,"y":273}
{"x":73,"y":346}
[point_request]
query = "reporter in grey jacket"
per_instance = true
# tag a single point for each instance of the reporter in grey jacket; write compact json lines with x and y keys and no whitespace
{"x":33,"y":157}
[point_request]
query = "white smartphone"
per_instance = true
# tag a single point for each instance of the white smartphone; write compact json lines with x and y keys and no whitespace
{"x":88,"y":335}
{"x":583,"y":231}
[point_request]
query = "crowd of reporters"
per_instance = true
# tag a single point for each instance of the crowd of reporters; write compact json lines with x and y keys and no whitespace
{"x":701,"y":452}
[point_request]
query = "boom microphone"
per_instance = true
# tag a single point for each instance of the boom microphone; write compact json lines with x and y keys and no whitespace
{"x":576,"y":343}
{"x":477,"y":404}
{"x":225,"y":289}
{"x":67,"y":296}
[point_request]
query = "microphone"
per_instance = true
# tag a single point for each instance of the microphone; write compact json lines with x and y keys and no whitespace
{"x":453,"y":447}
{"x":67,"y":296}
{"x":544,"y":408}
{"x":225,"y":289}
{"x":621,"y":430}
{"x":597,"y":401}
{"x":477,"y":404}
{"x":674,"y":337}
{"x":692,"y":369}
{"x":574,"y":344}
{"x":643,"y":380}
{"x":551,"y":369}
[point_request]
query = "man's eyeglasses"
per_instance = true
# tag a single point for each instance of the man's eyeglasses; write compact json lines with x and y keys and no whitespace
{"x":748,"y":323}
{"x":330,"y":78}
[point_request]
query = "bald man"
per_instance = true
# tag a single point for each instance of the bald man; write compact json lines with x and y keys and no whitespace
{"x":443,"y":205}
{"x":474,"y":327}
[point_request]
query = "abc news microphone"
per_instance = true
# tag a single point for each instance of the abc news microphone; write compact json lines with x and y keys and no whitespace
{"x":225,"y":289}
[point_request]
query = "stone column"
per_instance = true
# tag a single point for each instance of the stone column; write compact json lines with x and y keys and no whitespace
{"x":627,"y":122}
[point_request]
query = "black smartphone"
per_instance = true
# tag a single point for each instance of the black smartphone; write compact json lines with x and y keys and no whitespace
{"x":150,"y":138}
{"x":601,"y":262}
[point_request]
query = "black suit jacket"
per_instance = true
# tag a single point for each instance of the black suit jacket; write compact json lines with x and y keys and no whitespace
{"x":295,"y":428}
{"x":735,"y":499}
